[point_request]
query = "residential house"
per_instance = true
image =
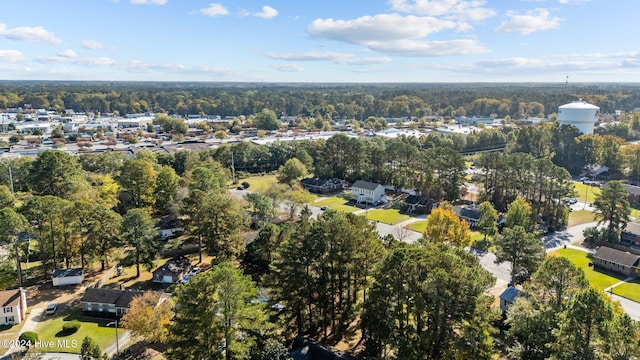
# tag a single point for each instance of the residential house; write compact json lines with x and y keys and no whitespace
{"x":617,"y":261}
{"x":107,"y":302}
{"x":508,"y":297}
{"x":418,"y":202}
{"x":630,"y":236}
{"x":470,"y":214}
{"x":634,"y":195}
{"x":322,"y":186}
{"x":14,"y":306}
{"x":63,"y":277}
{"x":593,"y":171}
{"x":367,"y":192}
{"x":172,"y":271}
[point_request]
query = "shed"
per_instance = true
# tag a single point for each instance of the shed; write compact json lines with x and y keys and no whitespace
{"x":508,"y":297}
{"x":63,"y":277}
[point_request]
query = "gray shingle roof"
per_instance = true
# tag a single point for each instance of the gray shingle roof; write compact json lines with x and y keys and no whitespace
{"x":616,"y":256}
{"x":361,"y":184}
{"x":67,"y":272}
{"x":119,"y":298}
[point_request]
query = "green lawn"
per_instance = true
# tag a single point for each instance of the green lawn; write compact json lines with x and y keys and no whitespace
{"x":585,"y":193}
{"x":418,"y":226}
{"x":578,"y":217}
{"x":596,"y":278}
{"x":387,"y":216}
{"x":259,"y":183}
{"x":629,"y":290}
{"x":9,"y":332}
{"x":335,"y":203}
{"x":50,"y":332}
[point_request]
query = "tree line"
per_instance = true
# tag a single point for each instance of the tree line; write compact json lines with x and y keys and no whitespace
{"x":352,"y":101}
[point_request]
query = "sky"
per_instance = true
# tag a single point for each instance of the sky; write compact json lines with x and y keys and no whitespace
{"x":316,"y":41}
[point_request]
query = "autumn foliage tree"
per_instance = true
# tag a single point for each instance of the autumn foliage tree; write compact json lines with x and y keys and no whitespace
{"x":444,"y":226}
{"x":149,"y":316}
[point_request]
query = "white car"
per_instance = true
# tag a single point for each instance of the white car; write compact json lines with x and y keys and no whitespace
{"x":51,"y":309}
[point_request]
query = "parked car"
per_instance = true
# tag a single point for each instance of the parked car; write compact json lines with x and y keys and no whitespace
{"x":324,"y":208}
{"x":240,"y":188}
{"x":195,"y":271}
{"x":51,"y":309}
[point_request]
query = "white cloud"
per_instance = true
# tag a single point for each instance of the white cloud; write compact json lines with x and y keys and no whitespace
{"x":458,"y":9}
{"x":214,"y":9}
{"x":534,"y":20}
{"x":27,"y":33}
{"x":288,"y":67}
{"x":398,"y":35}
{"x":12,"y":56}
{"x":149,"y":2}
{"x":267,"y":12}
{"x":137,"y":66}
{"x":68,"y":53}
{"x":89,"y":62}
{"x":334,"y":57}
{"x":92,"y":44}
{"x":383,"y":27}
{"x":424,"y":48}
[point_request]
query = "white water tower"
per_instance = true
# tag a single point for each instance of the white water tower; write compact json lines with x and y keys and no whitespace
{"x":580,"y":114}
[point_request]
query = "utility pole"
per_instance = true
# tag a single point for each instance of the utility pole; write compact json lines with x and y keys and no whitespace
{"x":233,"y":169}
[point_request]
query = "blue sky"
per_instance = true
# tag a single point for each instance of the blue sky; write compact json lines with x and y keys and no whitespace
{"x":321,"y":41}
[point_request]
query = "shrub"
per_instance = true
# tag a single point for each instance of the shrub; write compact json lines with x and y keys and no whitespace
{"x":245,"y":184}
{"x":71,"y":327}
{"x":28,"y":338}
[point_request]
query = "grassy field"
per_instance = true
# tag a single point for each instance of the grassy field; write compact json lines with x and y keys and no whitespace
{"x":578,"y":217}
{"x":50,"y":332}
{"x":629,"y":290}
{"x":585,"y":193}
{"x":387,"y":216}
{"x":335,"y":203}
{"x":596,"y":278}
{"x":260,"y":183}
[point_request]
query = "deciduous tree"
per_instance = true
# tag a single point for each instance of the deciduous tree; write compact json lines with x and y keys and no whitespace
{"x":149,"y":316}
{"x":444,"y":226}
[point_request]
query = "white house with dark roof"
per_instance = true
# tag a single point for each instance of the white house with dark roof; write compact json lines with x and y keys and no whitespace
{"x":14,"y":306}
{"x":367,"y":192}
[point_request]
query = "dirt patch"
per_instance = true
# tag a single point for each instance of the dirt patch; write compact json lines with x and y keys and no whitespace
{"x":42,"y":294}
